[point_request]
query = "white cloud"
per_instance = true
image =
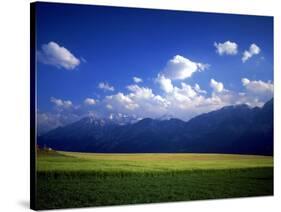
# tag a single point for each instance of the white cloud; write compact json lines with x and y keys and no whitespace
{"x":105,"y":86}
{"x":64,"y":112}
{"x":58,"y":56}
{"x":139,"y":101}
{"x":140,"y":92}
{"x":183,"y":101}
{"x":51,"y":120}
{"x":217,"y":86}
{"x":137,"y":80}
{"x":165,"y":83}
{"x":61,"y":103}
{"x":186,"y":92}
{"x":227,"y":48}
{"x":198,"y":89}
{"x":176,"y":94}
{"x":186,"y":101}
{"x":261,"y":89}
{"x":90,"y":101}
{"x":253,"y":50}
{"x":245,"y":81}
{"x":109,"y":106}
{"x":47,"y":121}
{"x":180,"y":68}
{"x":120,"y":102}
{"x":179,"y":99}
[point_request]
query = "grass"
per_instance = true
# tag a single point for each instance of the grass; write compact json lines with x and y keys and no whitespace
{"x":66,"y":179}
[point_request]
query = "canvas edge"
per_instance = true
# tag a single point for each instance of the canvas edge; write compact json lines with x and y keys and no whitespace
{"x":33,"y":93}
{"x":104,"y":4}
{"x":32,"y":106}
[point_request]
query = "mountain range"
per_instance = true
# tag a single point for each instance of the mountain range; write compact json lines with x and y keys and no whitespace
{"x":235,"y":129}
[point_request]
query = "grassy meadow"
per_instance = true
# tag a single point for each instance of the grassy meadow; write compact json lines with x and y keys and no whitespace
{"x":68,"y":179}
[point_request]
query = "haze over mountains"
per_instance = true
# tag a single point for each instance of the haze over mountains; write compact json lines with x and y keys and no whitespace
{"x":233,"y":129}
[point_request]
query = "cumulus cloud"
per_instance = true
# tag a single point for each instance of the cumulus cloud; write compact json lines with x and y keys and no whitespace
{"x":109,"y":106}
{"x":258,"y":88}
{"x":61,"y":103}
{"x":198,"y":89}
{"x":217,"y":86}
{"x":185,"y":92}
{"x":253,"y":50}
{"x":187,"y":101}
{"x":90,"y":101}
{"x":183,"y":101}
{"x":47,"y":121}
{"x":105,"y":86}
{"x":180,"y":68}
{"x":165,"y":83}
{"x":137,"y":80}
{"x":63,"y":113}
{"x":245,"y":81}
{"x":227,"y":48}
{"x":178,"y":99}
{"x":139,"y":101}
{"x":142,"y":92}
{"x":58,"y":56}
{"x":50,"y":120}
{"x":120,"y":102}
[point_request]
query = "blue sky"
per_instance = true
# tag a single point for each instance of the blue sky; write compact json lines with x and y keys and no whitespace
{"x":188,"y":63}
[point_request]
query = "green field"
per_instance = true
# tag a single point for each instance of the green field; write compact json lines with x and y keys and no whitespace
{"x":66,"y":179}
